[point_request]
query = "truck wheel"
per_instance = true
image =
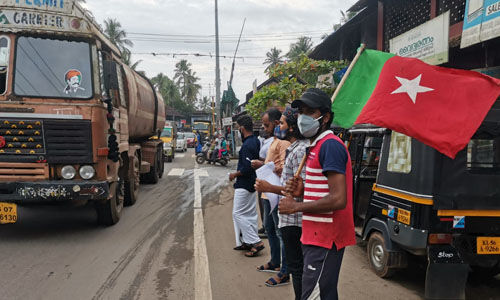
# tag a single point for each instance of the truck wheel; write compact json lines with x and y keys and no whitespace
{"x":109,"y":212}
{"x":154,"y":172}
{"x":132,"y":182}
{"x":378,"y":256}
{"x":160,"y":162}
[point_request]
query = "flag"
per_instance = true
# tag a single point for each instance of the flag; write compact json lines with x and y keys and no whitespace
{"x":440,"y":107}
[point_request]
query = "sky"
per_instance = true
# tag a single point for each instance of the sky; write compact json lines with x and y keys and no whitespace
{"x":176,"y":27}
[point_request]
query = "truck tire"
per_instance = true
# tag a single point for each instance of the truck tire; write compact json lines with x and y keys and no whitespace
{"x":132,"y":182}
{"x":109,"y":212}
{"x":378,"y":256}
{"x":161,"y":163}
{"x":484,"y":273}
{"x":154,"y":172}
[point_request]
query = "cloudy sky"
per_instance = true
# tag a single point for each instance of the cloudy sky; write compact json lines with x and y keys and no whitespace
{"x":187,"y":27}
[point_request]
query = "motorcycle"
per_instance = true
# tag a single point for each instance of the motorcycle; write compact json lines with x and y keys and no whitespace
{"x":203,"y":157}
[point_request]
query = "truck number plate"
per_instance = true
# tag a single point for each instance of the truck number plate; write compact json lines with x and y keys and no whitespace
{"x":488,"y":245}
{"x":404,"y":216}
{"x":8,"y":213}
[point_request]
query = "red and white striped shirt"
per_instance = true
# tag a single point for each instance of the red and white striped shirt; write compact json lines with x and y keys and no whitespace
{"x":327,"y":228}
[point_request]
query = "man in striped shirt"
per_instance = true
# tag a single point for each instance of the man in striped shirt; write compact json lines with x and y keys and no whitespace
{"x":327,"y":221}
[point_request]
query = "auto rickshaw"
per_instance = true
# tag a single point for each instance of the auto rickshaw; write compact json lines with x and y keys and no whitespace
{"x":409,"y":199}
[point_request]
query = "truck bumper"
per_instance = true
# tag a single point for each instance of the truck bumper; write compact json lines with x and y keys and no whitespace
{"x":60,"y":191}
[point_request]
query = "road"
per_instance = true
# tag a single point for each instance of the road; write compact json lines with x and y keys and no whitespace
{"x":60,"y":253}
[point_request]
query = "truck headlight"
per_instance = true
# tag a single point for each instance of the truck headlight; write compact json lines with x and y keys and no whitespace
{"x":87,"y":172}
{"x":68,"y":172}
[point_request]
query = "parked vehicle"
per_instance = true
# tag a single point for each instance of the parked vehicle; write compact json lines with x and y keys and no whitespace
{"x":181,"y":144}
{"x":205,"y":156}
{"x":61,"y":140}
{"x":411,"y":200}
{"x":169,"y":138}
{"x":190,"y":139}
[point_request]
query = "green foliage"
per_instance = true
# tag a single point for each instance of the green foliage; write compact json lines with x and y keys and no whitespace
{"x":290,"y":87}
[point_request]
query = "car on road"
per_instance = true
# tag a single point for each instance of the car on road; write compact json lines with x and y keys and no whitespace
{"x":190,"y":139}
{"x":181,"y":142}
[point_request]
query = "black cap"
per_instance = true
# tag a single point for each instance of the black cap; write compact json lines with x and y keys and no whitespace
{"x":314,"y":98}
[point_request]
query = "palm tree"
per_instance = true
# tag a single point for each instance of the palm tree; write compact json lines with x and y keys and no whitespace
{"x":302,"y":46}
{"x":273,"y":58}
{"x":127,"y":59}
{"x":167,"y":88}
{"x":113,"y":29}
{"x":204,"y":104}
{"x":186,"y":80}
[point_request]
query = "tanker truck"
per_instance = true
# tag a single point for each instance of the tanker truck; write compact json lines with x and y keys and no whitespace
{"x":77,"y":126}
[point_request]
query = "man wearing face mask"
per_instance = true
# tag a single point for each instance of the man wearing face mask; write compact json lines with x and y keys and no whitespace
{"x":245,"y":216}
{"x":276,"y":154}
{"x":327,"y":221}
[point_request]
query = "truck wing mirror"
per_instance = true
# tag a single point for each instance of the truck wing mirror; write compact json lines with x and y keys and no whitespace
{"x":110,"y":75}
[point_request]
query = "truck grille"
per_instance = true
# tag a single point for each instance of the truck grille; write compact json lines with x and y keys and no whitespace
{"x":52,"y":141}
{"x":68,"y":141}
{"x":21,"y":171}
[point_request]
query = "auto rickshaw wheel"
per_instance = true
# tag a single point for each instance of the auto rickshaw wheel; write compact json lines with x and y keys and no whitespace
{"x":378,"y":256}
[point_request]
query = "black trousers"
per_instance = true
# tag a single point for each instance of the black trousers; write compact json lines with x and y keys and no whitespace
{"x":294,"y":259}
{"x":321,"y":272}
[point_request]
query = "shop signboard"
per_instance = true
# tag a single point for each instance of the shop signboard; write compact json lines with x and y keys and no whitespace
{"x":481,"y":21}
{"x":227,"y":121}
{"x":427,"y":42}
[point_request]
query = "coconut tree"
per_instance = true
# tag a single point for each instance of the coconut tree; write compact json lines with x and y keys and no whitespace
{"x":116,"y":34}
{"x":187,"y":81}
{"x":273,"y":58}
{"x":302,"y":46}
{"x":127,"y":59}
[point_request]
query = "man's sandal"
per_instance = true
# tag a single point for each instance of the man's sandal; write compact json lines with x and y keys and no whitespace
{"x":243,"y":247}
{"x":279,"y":280}
{"x":256,"y":248}
{"x":269,"y":268}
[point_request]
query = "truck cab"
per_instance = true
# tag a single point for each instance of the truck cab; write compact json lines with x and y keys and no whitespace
{"x":75,"y":122}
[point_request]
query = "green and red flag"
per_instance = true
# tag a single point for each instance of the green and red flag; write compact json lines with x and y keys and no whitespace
{"x":438,"y":106}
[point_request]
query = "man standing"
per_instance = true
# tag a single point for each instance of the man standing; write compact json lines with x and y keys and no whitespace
{"x":245,"y":216}
{"x":327,"y":222}
{"x":275,"y":154}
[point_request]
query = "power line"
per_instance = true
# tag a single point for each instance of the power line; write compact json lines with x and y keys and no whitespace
{"x":196,"y":55}
{"x":277,"y":34}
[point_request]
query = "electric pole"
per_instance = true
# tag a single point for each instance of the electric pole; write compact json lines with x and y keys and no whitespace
{"x":217,"y":65}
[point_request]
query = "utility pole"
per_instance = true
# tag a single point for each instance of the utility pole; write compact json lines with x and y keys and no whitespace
{"x":217,"y":65}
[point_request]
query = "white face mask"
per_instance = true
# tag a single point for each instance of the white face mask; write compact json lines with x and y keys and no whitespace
{"x":308,"y":126}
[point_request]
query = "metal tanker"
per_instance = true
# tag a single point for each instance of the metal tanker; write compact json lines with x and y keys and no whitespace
{"x":77,"y":125}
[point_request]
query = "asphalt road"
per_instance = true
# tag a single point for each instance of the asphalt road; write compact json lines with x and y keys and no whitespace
{"x":60,"y":253}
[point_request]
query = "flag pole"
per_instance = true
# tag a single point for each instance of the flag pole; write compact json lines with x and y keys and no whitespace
{"x":337,"y":90}
{"x":344,"y":78}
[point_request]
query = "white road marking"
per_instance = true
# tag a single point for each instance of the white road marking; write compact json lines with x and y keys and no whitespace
{"x":176,"y":172}
{"x":180,"y":155}
{"x":200,"y":173}
{"x":202,"y":285}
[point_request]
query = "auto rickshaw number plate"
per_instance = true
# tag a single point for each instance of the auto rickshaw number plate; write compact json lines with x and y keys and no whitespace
{"x":8,"y":213}
{"x":404,"y":216}
{"x":488,"y":245}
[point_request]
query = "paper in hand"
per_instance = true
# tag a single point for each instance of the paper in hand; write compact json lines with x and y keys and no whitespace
{"x":266,"y":172}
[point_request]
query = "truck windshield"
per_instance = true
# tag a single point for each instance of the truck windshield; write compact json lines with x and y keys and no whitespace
{"x":52,"y":68}
{"x":200,"y":126}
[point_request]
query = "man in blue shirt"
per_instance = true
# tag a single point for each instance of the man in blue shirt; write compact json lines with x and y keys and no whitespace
{"x":245,"y":217}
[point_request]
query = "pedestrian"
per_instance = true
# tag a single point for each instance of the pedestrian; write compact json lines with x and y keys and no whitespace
{"x":290,"y":225}
{"x":245,"y":216}
{"x":327,"y":221}
{"x":265,"y":141}
{"x":275,"y":154}
{"x":199,"y":145}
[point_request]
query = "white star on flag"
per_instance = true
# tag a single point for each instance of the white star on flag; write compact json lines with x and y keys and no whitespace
{"x":411,"y":87}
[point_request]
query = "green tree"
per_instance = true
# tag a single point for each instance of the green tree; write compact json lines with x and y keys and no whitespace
{"x":273,"y":58}
{"x":116,"y":34}
{"x":204,"y":104}
{"x":186,"y":80}
{"x":127,"y":59}
{"x":303,"y":46}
